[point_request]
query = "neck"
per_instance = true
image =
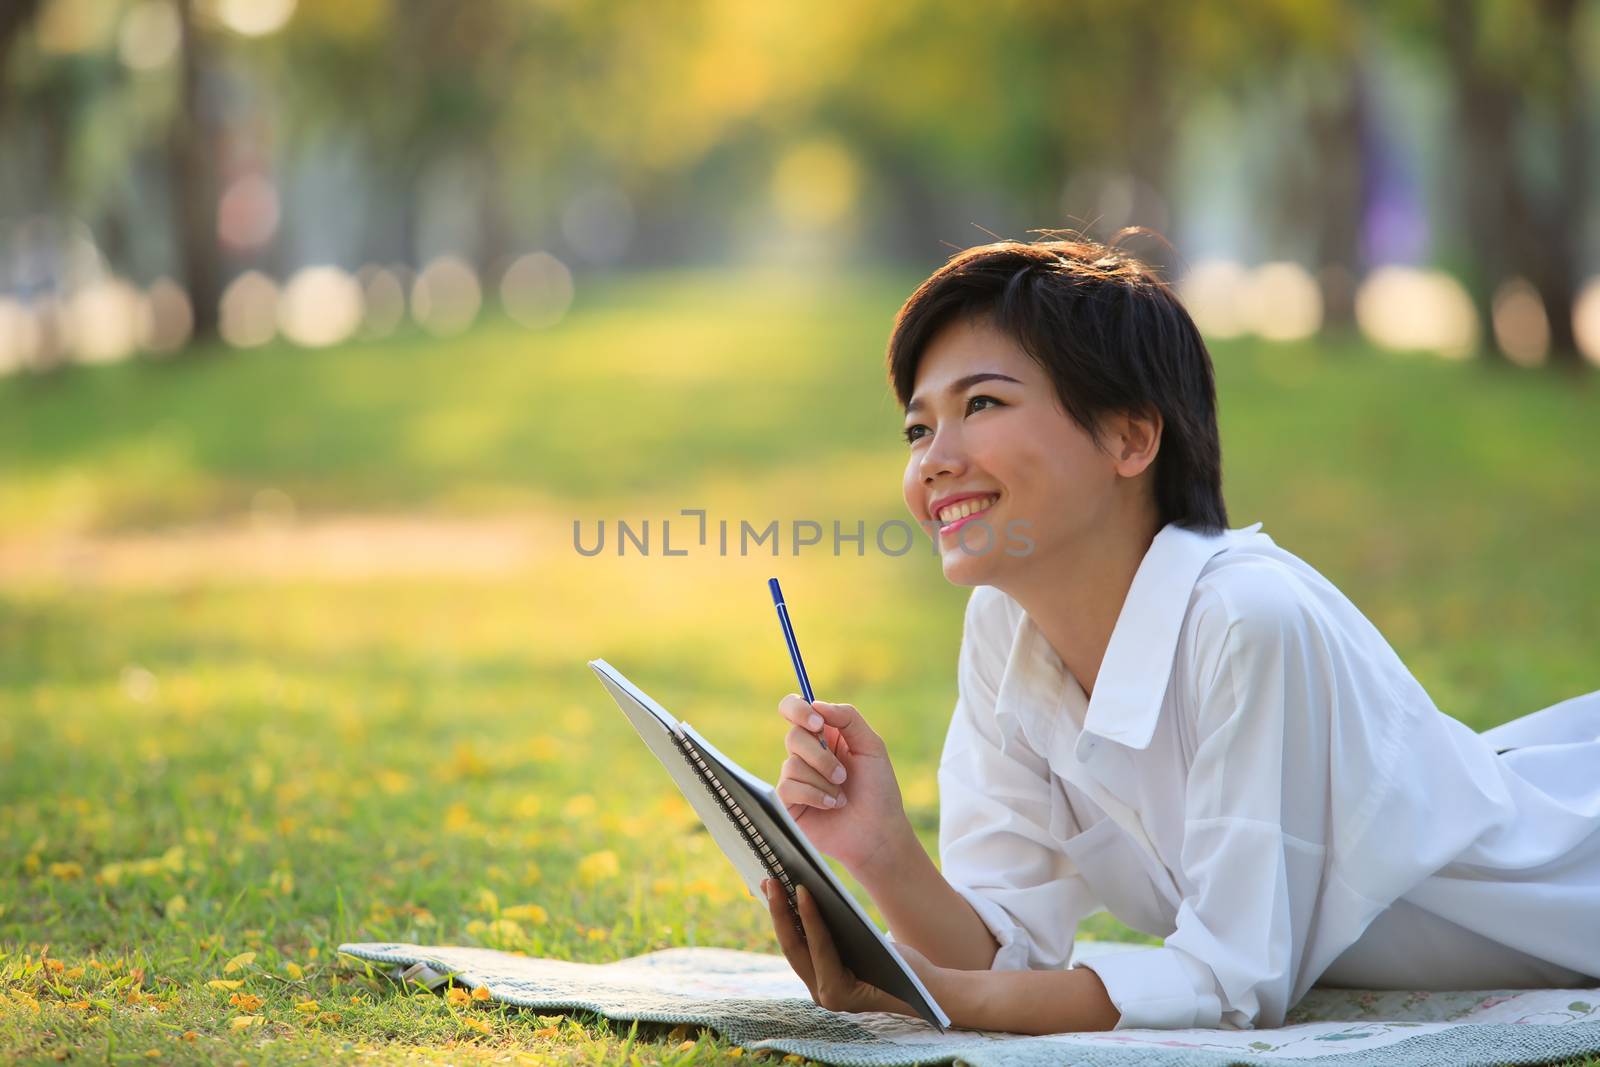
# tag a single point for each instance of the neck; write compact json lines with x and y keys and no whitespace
{"x":1075,"y":595}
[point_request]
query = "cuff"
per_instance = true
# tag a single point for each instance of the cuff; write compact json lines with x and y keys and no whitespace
{"x":1158,"y":989}
{"x":1014,"y":943}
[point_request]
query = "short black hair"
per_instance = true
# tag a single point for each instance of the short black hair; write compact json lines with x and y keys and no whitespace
{"x":1110,"y":333}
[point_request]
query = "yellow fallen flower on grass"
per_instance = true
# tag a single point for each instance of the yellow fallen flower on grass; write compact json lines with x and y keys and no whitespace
{"x":244,"y":1022}
{"x":242,"y":960}
{"x":597,"y":866}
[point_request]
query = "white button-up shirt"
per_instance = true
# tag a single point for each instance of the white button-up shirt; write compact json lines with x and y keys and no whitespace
{"x":1261,"y":782}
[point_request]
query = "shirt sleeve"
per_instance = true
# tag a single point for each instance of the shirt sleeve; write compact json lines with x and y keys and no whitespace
{"x":995,"y":810}
{"x":1255,"y":829}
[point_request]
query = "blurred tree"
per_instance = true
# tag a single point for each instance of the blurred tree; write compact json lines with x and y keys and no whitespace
{"x":488,"y":89}
{"x":1318,"y":191}
{"x":1520,"y":91}
{"x":192,"y":160}
{"x":948,"y":101}
{"x":15,"y":15}
{"x":904,"y":127}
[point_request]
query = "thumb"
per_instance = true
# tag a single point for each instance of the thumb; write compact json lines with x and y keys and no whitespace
{"x":861,"y":738}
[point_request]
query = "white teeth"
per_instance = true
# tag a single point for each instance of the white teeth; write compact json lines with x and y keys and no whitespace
{"x":966,"y":507}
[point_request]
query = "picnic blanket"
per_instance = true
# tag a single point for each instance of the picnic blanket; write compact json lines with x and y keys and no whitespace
{"x":754,"y":999}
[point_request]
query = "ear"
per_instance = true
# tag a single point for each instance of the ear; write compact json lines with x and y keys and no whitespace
{"x":1133,"y":439}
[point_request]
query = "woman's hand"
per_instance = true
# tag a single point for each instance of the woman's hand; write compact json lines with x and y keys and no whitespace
{"x":816,"y":960}
{"x":847,"y":803}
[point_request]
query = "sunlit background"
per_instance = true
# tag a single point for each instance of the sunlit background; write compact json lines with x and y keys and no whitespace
{"x":324,"y":323}
{"x":183,"y":171}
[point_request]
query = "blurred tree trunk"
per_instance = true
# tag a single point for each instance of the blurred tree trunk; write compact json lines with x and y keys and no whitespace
{"x":1336,"y":126}
{"x":1152,"y":132}
{"x":1514,"y":229}
{"x":1489,"y":199}
{"x":15,"y":15}
{"x":497,"y":238}
{"x":192,"y":166}
{"x":1553,"y":260}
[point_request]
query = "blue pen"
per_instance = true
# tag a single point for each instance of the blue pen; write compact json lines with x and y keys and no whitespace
{"x":794,"y":647}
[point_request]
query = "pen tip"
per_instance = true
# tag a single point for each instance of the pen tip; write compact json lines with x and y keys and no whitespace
{"x":777,"y":594}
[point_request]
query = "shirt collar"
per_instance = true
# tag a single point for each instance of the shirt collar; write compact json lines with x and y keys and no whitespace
{"x":1132,"y":683}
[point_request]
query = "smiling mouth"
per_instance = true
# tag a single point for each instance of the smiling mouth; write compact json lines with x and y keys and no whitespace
{"x":956,"y":515}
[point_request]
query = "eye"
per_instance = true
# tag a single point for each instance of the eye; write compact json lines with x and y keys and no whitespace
{"x":983,"y":399}
{"x":919,"y":431}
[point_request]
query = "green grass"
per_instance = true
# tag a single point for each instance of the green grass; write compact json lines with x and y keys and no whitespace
{"x":205,"y":765}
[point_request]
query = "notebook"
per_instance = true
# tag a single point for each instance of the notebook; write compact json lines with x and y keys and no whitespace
{"x":755,"y":831}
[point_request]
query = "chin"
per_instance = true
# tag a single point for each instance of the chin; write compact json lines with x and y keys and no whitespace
{"x":961,"y":568}
{"x":976,"y":564}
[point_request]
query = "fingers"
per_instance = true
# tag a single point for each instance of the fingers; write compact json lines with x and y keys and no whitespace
{"x":848,"y":721}
{"x":799,"y":783}
{"x":794,"y":708}
{"x":790,"y":939}
{"x":804,"y":717}
{"x":831,"y":981}
{"x":803,"y":743}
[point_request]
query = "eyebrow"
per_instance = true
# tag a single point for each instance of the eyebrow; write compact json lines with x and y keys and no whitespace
{"x":961,"y":384}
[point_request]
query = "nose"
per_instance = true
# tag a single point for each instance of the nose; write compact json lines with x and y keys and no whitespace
{"x":943,"y":456}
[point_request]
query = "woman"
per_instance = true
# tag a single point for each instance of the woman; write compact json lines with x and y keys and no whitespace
{"x":1177,"y":721}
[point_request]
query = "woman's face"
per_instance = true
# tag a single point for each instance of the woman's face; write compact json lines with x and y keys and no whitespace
{"x":995,"y":463}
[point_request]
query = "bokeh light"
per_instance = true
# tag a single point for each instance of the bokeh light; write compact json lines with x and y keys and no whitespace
{"x":1210,"y":290}
{"x":320,"y":306}
{"x":105,"y":320}
{"x":248,"y":213}
{"x":1521,"y":328}
{"x":249,"y":310}
{"x":815,"y":184}
{"x":446,"y":296}
{"x":536,"y":290}
{"x":383,"y":297}
{"x":1281,"y":302}
{"x":67,"y":27}
{"x":147,"y":38}
{"x":1408,"y":309}
{"x":171,"y":318}
{"x":1586,"y":320}
{"x":253,"y":18}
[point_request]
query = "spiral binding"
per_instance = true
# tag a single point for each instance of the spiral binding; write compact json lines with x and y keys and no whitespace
{"x":753,"y":838}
